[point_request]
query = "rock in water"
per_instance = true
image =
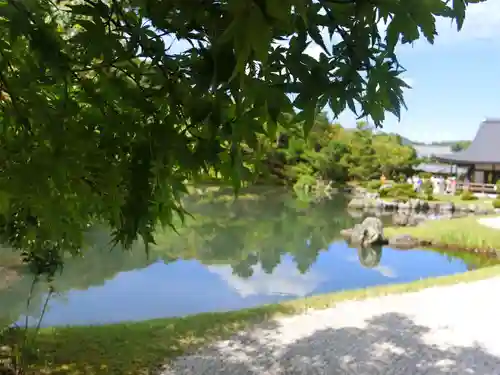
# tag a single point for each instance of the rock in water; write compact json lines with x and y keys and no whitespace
{"x":369,"y":232}
{"x":404,"y":241}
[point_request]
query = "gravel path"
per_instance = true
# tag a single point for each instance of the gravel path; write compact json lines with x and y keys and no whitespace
{"x":492,"y":222}
{"x":437,"y":331}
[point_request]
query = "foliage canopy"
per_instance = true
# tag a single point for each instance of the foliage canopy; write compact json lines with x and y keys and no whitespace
{"x":103,"y":119}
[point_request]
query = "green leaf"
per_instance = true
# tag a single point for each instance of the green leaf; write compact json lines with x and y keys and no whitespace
{"x":459,"y":10}
{"x":84,"y":9}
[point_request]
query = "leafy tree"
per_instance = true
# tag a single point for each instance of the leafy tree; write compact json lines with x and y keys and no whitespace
{"x":362,"y":160}
{"x":394,"y":158}
{"x":460,"y":145}
{"x":104,"y":120}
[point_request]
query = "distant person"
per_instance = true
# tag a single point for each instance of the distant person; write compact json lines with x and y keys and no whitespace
{"x":383,"y":179}
{"x":453,"y":185}
{"x":419,"y":184}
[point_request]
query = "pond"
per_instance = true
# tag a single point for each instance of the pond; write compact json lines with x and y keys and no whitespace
{"x":231,"y":255}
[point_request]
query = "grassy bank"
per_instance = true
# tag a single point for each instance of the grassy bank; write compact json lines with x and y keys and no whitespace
{"x":138,"y":348}
{"x":462,"y":233}
{"x":486,"y":203}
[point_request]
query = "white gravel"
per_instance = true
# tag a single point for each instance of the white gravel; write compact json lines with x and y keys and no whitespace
{"x":437,"y":331}
{"x":492,"y":222}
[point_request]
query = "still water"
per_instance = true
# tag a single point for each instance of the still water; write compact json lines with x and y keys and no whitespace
{"x":232,"y":255}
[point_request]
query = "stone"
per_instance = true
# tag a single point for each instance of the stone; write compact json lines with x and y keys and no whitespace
{"x":432,"y":206}
{"x":472,"y":207}
{"x":357,"y":203}
{"x":404,"y":206}
{"x":356,"y":213}
{"x":415,"y":204}
{"x":369,"y":232}
{"x":370,"y":195}
{"x":380,"y":204}
{"x":400,"y":219}
{"x":346,"y":233}
{"x":446,"y":207}
{"x":404,"y":241}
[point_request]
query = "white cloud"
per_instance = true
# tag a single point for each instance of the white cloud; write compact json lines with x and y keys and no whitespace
{"x":482,"y":21}
{"x":385,"y":271}
{"x":285,"y":280}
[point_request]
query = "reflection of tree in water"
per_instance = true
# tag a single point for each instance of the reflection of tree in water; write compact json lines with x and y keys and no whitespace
{"x":242,"y":233}
{"x":99,"y":263}
{"x":370,"y":257}
{"x":245,"y":233}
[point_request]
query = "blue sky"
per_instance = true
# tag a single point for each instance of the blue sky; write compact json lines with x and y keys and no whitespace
{"x":455,"y":82}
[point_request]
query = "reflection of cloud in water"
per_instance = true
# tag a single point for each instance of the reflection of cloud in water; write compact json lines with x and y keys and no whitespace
{"x":285,"y":280}
{"x":385,"y":271}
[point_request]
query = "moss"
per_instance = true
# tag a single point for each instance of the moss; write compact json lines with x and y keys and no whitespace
{"x":139,"y":348}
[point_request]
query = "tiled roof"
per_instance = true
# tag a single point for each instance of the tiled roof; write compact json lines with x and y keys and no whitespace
{"x":485,"y":148}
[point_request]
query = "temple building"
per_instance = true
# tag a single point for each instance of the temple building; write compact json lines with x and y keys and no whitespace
{"x":482,"y":157}
{"x":437,"y":169}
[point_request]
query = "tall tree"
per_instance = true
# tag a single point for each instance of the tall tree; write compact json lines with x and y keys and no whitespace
{"x":104,"y":119}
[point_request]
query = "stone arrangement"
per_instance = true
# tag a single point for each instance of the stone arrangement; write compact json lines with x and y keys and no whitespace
{"x":370,"y":233}
{"x":365,"y":200}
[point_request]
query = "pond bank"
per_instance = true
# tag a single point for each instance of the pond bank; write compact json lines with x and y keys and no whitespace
{"x":140,"y":347}
{"x":465,"y":233}
{"x":430,"y":331}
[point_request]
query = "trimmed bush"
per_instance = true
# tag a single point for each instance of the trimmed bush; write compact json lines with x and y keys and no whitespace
{"x":384,"y":192}
{"x":496,"y":203}
{"x":427,"y":191}
{"x":373,"y":185}
{"x":467,"y":195}
{"x":399,"y":191}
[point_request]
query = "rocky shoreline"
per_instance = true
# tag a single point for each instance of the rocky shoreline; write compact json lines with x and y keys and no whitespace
{"x":357,"y":236}
{"x":364,"y":200}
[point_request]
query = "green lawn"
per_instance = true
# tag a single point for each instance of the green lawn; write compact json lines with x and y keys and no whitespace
{"x":463,"y":233}
{"x":139,"y":348}
{"x":481,"y":202}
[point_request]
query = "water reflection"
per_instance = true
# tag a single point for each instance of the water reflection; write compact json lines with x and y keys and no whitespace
{"x":370,"y":257}
{"x":231,"y":255}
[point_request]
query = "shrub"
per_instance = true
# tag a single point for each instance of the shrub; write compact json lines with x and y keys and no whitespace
{"x":373,"y":185}
{"x":400,"y":191}
{"x":467,"y":195}
{"x":384,"y":192}
{"x":427,"y":191}
{"x":496,"y":203}
{"x":498,"y":187}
